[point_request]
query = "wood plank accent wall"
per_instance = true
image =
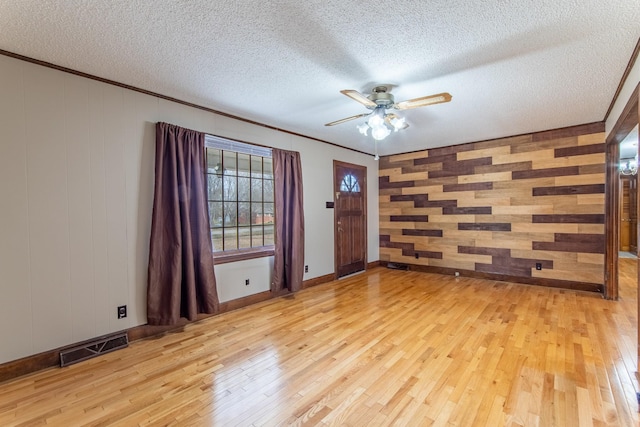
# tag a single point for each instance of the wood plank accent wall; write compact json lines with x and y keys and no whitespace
{"x":499,"y":207}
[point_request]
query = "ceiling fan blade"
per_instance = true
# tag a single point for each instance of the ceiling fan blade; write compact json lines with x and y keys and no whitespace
{"x":337,"y":122}
{"x":357,"y":96}
{"x":425,"y":100}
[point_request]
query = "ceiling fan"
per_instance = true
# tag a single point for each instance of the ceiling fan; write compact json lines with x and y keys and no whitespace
{"x":380,"y":122}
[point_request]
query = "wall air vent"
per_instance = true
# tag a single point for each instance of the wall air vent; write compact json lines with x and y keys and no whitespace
{"x":93,"y":348}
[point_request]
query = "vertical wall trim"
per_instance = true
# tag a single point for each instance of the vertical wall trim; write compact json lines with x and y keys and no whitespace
{"x":623,"y":80}
{"x":625,"y":123}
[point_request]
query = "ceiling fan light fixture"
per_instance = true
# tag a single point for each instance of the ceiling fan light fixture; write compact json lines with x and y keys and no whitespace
{"x":381,"y":124}
{"x":380,"y":132}
{"x":363,"y":128}
{"x":630,"y":166}
{"x":398,"y":123}
{"x":377,"y":118}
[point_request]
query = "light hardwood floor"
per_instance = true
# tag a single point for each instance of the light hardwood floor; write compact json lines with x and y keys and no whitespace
{"x":381,"y":348}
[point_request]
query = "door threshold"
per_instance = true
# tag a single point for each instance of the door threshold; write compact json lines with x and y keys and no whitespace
{"x":351,"y":274}
{"x":626,"y":254}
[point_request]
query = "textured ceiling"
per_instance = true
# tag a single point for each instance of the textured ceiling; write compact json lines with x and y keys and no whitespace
{"x":511,"y":66}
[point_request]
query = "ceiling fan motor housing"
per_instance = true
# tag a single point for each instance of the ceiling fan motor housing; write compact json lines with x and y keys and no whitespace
{"x":381,"y":100}
{"x":381,"y":97}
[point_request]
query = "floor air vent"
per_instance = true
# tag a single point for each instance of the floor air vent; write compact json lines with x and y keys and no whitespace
{"x":396,"y":266}
{"x":93,"y":348}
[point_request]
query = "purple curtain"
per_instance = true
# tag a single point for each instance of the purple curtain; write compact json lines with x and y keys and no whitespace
{"x":289,"y":239}
{"x":181,"y":282}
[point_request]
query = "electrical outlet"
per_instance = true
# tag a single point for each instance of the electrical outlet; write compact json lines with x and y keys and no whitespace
{"x":538,"y":266}
{"x":457,"y":274}
{"x":306,"y":268}
{"x":246,"y":282}
{"x":122,"y":311}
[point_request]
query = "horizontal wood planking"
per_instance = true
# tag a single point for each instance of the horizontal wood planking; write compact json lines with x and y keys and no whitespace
{"x":580,"y":150}
{"x":413,"y":232}
{"x":484,"y":226}
{"x":386,"y":184}
{"x":574,"y":219}
{"x":468,"y":187}
{"x":535,"y":199}
{"x":569,"y":189}
{"x":479,"y":210}
{"x":574,"y":242}
{"x":539,"y":281}
{"x":568,"y":132}
{"x":544,"y":173}
{"x":586,"y":247}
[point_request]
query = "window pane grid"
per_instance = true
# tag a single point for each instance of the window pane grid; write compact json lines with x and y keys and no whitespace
{"x":240,"y":196}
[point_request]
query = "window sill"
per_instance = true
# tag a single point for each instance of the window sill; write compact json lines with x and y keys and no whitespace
{"x":242,"y":254}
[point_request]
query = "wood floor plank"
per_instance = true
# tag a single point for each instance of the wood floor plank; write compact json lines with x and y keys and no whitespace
{"x":387,"y":347}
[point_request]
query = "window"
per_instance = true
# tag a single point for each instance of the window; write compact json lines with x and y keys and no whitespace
{"x":240,"y":195}
{"x":350,"y":184}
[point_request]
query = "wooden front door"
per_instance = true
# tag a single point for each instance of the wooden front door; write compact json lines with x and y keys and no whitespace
{"x":350,"y":213}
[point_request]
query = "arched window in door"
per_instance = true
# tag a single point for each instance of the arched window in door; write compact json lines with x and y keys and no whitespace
{"x":350,"y":184}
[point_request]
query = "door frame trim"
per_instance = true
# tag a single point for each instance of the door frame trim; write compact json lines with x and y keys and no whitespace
{"x":625,"y":123}
{"x":335,"y":219}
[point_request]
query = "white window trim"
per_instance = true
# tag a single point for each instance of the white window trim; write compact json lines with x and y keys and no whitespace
{"x":212,"y":141}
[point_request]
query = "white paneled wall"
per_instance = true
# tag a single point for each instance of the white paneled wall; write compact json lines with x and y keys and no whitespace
{"x":48,"y":207}
{"x":76,"y":190}
{"x":233,"y":276}
{"x":80,"y":189}
{"x":16,"y":322}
